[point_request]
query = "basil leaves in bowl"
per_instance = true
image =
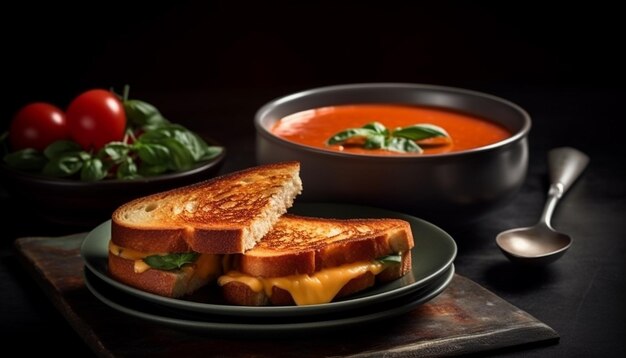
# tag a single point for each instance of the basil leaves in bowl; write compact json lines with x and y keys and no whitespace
{"x":68,"y":184}
{"x":87,"y":203}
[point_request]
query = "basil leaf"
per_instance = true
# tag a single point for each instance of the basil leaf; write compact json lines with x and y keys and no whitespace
{"x":180,"y":156}
{"x":147,"y":170}
{"x":153,"y":136}
{"x":26,"y":159}
{"x":204,"y":151}
{"x":153,"y":153}
{"x":200,"y":147}
{"x":166,"y":131}
{"x":341,"y":137}
{"x":64,"y":165}
{"x":390,"y":259}
{"x":143,"y":114}
{"x":93,"y":170}
{"x":191,"y":141}
{"x":171,"y":261}
{"x":375,"y":141}
{"x":188,"y":139}
{"x":402,"y":145}
{"x":420,"y":131}
{"x":115,"y":151}
{"x":377,"y":127}
{"x":196,"y":146}
{"x":82,"y":155}
{"x":60,"y":148}
{"x":211,"y":152}
{"x":127,"y":169}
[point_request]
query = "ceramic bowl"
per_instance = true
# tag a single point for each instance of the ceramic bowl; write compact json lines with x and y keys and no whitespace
{"x":453,"y":187}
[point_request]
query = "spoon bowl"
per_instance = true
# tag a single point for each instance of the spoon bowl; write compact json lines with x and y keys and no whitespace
{"x":541,"y":244}
{"x":535,"y":244}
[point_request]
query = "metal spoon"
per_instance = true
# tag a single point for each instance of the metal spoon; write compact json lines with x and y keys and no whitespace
{"x":541,"y":244}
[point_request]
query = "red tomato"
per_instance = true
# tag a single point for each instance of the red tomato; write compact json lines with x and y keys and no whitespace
{"x":37,"y":125}
{"x":96,"y":118}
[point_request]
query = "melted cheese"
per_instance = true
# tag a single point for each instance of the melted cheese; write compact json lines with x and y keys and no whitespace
{"x":205,"y":266}
{"x":130,"y":254}
{"x":321,"y":287}
{"x":141,"y":266}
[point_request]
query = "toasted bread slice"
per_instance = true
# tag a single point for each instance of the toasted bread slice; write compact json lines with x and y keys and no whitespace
{"x":298,"y":244}
{"x":174,"y":283}
{"x":311,"y":260}
{"x":227,"y":214}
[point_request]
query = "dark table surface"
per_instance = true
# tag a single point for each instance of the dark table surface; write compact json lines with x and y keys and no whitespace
{"x":582,"y":296}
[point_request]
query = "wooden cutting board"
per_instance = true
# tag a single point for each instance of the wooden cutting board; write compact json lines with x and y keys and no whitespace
{"x":465,"y":318}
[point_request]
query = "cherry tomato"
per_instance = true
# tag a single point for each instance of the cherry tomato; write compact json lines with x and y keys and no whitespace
{"x":37,"y":125}
{"x":95,"y":118}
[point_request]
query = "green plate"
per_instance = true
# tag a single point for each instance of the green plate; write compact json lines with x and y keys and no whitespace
{"x":432,"y":256}
{"x":242,"y":326}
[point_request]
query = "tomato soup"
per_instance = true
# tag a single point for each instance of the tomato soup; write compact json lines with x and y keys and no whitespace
{"x":314,"y":127}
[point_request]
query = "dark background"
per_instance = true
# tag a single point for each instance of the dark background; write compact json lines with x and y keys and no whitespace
{"x":211,"y":65}
{"x":53,"y":51}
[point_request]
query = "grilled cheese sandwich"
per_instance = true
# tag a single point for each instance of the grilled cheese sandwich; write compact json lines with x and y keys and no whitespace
{"x":172,"y":243}
{"x":315,"y":260}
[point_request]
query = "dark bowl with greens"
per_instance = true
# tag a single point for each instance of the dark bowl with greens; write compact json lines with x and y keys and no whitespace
{"x":70,"y":185}
{"x":450,"y":188}
{"x":87,"y":203}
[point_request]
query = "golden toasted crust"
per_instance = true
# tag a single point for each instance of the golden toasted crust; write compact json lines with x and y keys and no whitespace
{"x":165,"y":283}
{"x":305,"y":245}
{"x":227,"y":214}
{"x":149,"y":240}
{"x":238,"y":293}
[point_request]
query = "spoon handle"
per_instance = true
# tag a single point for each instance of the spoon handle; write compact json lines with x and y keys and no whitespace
{"x":566,"y":164}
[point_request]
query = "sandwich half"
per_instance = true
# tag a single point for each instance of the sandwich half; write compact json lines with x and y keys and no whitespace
{"x":306,"y":261}
{"x":171,"y":243}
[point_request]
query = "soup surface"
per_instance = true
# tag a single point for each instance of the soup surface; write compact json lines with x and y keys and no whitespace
{"x":314,"y":127}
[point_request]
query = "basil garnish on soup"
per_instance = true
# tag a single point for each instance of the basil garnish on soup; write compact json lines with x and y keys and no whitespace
{"x":375,"y":135}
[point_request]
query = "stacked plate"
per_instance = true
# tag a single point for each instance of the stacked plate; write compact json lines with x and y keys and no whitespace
{"x":431,"y":273}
